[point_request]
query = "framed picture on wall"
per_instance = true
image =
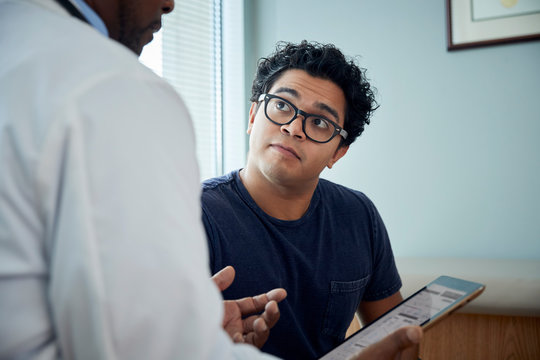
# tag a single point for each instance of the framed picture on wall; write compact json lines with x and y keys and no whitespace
{"x":472,"y":23}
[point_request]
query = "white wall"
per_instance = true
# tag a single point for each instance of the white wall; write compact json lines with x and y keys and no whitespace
{"x":452,"y":157}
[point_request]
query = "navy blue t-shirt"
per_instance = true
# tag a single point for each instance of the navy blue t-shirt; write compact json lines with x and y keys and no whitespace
{"x":329,"y":260}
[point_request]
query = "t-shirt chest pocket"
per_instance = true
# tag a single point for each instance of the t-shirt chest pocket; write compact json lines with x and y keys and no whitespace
{"x":343,"y":301}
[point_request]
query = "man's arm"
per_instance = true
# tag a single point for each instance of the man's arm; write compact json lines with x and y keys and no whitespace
{"x":371,"y":310}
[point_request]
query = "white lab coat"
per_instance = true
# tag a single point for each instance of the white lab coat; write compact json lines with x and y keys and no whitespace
{"x":102,"y":252}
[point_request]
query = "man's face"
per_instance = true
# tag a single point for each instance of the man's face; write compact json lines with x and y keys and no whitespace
{"x":132,"y":22}
{"x":282,"y":153}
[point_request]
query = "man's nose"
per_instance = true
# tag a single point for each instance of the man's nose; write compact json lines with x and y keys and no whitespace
{"x":294,"y":128}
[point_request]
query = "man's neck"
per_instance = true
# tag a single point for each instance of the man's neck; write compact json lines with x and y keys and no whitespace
{"x":281,"y":201}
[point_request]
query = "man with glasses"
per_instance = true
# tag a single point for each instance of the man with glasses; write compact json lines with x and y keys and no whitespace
{"x":279,"y":225}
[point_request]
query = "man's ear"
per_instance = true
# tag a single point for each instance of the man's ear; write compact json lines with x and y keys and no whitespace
{"x":340,"y":152}
{"x":252,"y":112}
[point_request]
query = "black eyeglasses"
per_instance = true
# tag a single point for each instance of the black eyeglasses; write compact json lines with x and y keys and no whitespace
{"x":316,"y":127}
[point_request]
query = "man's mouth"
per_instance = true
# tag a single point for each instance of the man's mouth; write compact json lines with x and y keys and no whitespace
{"x":286,"y":150}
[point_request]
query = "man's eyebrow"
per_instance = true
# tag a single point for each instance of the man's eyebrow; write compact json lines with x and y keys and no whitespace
{"x":329,"y":109}
{"x":293,"y":92}
{"x":320,"y":105}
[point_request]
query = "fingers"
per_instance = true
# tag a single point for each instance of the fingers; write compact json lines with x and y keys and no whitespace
{"x":276,"y":294}
{"x":255,"y":328}
{"x":260,"y":333}
{"x":258,"y":303}
{"x":269,"y":317}
{"x":238,"y":338}
{"x":395,"y":346}
{"x":256,"y":332}
{"x":271,"y":314}
{"x":224,"y":278}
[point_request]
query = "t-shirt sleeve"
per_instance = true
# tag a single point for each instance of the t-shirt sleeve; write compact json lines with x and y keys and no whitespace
{"x":385,"y":280}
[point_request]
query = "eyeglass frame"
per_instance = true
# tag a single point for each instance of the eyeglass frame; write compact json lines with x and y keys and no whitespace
{"x":338,"y":130}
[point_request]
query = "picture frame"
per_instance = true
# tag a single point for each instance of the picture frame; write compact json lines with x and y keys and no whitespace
{"x":474,"y":23}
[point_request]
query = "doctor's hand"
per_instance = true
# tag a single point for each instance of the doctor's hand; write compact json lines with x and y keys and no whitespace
{"x":400,"y":345}
{"x":243,"y":319}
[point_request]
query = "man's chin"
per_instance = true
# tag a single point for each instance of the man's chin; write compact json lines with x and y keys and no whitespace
{"x":135,"y":46}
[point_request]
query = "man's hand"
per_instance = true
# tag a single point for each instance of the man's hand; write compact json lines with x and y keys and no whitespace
{"x":396,"y":346}
{"x":239,"y":325}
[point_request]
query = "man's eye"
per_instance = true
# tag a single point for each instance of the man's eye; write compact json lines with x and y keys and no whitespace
{"x":282,"y":106}
{"x":320,"y":123}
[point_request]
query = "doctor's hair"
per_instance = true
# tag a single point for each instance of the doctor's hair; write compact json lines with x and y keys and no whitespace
{"x":327,"y":62}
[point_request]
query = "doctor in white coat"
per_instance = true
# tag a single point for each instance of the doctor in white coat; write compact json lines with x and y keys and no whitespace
{"x":102,"y":252}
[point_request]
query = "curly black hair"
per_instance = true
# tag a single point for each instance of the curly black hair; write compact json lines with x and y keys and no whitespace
{"x":327,"y":62}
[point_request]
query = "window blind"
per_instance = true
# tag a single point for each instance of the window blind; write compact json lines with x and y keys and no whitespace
{"x":187,"y":53}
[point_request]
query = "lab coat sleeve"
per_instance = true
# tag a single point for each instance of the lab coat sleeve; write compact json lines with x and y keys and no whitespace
{"x":128,"y":257}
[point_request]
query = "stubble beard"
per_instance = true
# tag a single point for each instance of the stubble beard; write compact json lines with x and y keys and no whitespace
{"x":128,"y":33}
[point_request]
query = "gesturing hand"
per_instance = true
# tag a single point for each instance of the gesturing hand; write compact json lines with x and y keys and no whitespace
{"x":241,"y":319}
